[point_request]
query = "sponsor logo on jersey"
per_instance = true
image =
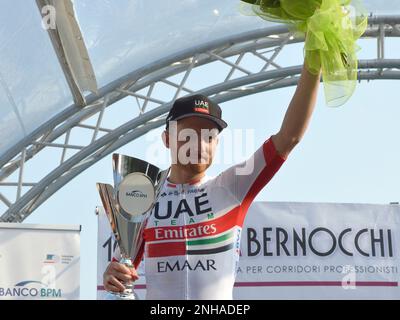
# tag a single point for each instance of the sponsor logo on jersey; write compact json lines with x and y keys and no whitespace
{"x":172,"y":210}
{"x":206,"y":265}
{"x":183,"y":233}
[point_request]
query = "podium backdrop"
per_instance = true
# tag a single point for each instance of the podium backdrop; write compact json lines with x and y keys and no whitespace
{"x":306,"y":251}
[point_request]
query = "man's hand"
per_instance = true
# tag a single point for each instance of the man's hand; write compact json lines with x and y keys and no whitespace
{"x":116,"y":274}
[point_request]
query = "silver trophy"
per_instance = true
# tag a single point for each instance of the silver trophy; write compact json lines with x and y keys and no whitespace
{"x":137,"y":185}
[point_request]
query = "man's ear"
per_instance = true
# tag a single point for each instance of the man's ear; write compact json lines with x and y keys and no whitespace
{"x":165,"y":138}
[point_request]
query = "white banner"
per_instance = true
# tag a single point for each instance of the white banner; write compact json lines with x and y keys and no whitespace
{"x":309,"y":251}
{"x":39,"y":262}
{"x":320,"y":251}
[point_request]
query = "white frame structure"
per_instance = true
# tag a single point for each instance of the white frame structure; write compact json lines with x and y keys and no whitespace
{"x":265,"y":44}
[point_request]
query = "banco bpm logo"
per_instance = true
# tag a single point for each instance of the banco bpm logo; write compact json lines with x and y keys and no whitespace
{"x":136,"y":194}
{"x":30,"y":289}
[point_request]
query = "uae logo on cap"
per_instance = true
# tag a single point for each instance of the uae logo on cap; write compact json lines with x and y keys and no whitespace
{"x":201,"y":106}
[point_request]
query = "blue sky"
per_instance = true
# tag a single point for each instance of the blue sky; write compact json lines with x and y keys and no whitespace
{"x":349,"y":154}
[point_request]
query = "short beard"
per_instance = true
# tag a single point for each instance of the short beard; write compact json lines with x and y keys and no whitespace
{"x":195,"y":168}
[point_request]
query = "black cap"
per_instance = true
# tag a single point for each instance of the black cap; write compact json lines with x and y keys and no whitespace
{"x":196,"y":105}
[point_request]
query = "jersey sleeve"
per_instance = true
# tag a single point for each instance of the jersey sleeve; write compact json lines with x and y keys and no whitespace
{"x":245,"y":180}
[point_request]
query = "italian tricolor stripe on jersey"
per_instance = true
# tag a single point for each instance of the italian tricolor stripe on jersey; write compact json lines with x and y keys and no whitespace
{"x":206,"y":241}
{"x":207,"y":245}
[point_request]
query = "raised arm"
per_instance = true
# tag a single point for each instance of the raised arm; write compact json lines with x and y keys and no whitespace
{"x":298,"y":114}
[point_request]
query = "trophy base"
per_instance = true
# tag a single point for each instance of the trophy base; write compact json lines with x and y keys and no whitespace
{"x":121,"y":296}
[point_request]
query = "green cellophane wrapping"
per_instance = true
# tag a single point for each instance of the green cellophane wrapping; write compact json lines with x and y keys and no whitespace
{"x":331,"y":29}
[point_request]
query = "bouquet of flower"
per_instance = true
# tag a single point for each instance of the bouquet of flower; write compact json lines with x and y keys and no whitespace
{"x":332,"y":28}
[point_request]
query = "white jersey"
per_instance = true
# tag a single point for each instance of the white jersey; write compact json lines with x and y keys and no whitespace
{"x":192,"y":237}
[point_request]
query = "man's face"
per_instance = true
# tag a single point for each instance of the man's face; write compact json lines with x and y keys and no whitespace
{"x":192,"y":142}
